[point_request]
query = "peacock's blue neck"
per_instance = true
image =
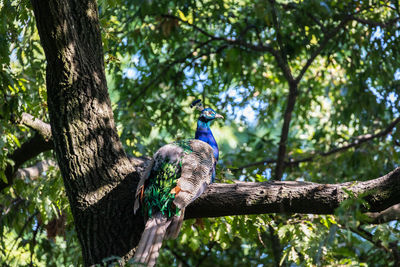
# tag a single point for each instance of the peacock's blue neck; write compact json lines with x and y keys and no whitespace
{"x":203,"y":133}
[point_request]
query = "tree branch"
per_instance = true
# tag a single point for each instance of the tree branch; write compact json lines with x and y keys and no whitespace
{"x":34,"y":172}
{"x":38,"y":125}
{"x":28,"y":150}
{"x":235,"y":42}
{"x":282,"y":56}
{"x":369,"y":237}
{"x":391,"y":249}
{"x":39,"y":143}
{"x":293,"y":86}
{"x":387,"y":215}
{"x":358,"y":141}
{"x":287,"y":117}
{"x":166,"y":68}
{"x":321,"y":46}
{"x":374,"y":23}
{"x":292,"y":196}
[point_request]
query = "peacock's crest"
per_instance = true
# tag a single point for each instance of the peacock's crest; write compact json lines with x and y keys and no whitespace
{"x":197,"y":104}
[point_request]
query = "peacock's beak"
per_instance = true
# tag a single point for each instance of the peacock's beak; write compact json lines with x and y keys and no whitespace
{"x":218,"y":116}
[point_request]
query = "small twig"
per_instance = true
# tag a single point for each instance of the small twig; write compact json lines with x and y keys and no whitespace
{"x":167,"y":66}
{"x":321,"y":46}
{"x":21,"y":232}
{"x":282,"y":49}
{"x":260,"y":239}
{"x":33,"y":243}
{"x":369,"y":237}
{"x":376,"y":23}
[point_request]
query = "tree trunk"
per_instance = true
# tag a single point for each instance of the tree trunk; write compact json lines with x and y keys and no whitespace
{"x":98,"y":177}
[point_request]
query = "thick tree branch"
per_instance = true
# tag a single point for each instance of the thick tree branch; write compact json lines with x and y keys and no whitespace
{"x":292,"y":196}
{"x":28,"y":150}
{"x":358,"y":141}
{"x":39,"y":143}
{"x":387,"y":215}
{"x":34,"y":172}
{"x":39,"y":126}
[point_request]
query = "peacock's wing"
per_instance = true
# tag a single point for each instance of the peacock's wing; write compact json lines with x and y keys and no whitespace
{"x":196,"y":172}
{"x":178,"y":174}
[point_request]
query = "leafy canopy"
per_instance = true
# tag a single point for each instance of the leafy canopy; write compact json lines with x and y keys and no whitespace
{"x":237,"y":56}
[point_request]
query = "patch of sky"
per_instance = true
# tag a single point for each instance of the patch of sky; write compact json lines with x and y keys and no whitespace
{"x":242,"y":111}
{"x":125,"y":41}
{"x":135,"y":59}
{"x":267,"y":173}
{"x":378,"y":35}
{"x":13,"y":56}
{"x":390,"y":99}
{"x":228,"y":30}
{"x":397,"y":75}
{"x":131,"y":72}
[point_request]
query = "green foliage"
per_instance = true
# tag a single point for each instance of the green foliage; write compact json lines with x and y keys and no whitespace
{"x":159,"y":56}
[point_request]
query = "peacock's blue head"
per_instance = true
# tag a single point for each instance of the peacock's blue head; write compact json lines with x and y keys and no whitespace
{"x":207,"y":114}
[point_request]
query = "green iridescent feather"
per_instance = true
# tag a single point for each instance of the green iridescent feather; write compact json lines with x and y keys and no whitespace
{"x":157,"y":195}
{"x":185,"y":145}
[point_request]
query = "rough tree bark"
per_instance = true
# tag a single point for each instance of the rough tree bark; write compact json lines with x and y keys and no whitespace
{"x":294,"y":197}
{"x":100,"y":179}
{"x":98,"y":176}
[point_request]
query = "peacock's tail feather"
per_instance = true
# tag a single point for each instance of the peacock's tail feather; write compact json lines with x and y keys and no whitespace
{"x":151,"y":240}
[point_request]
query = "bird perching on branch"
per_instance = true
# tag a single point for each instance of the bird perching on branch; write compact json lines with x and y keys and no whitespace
{"x":178,"y":174}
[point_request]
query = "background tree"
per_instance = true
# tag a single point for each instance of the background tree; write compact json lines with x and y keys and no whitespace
{"x":310,"y":90}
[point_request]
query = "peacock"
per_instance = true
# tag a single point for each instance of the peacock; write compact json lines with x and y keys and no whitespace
{"x":178,"y":174}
